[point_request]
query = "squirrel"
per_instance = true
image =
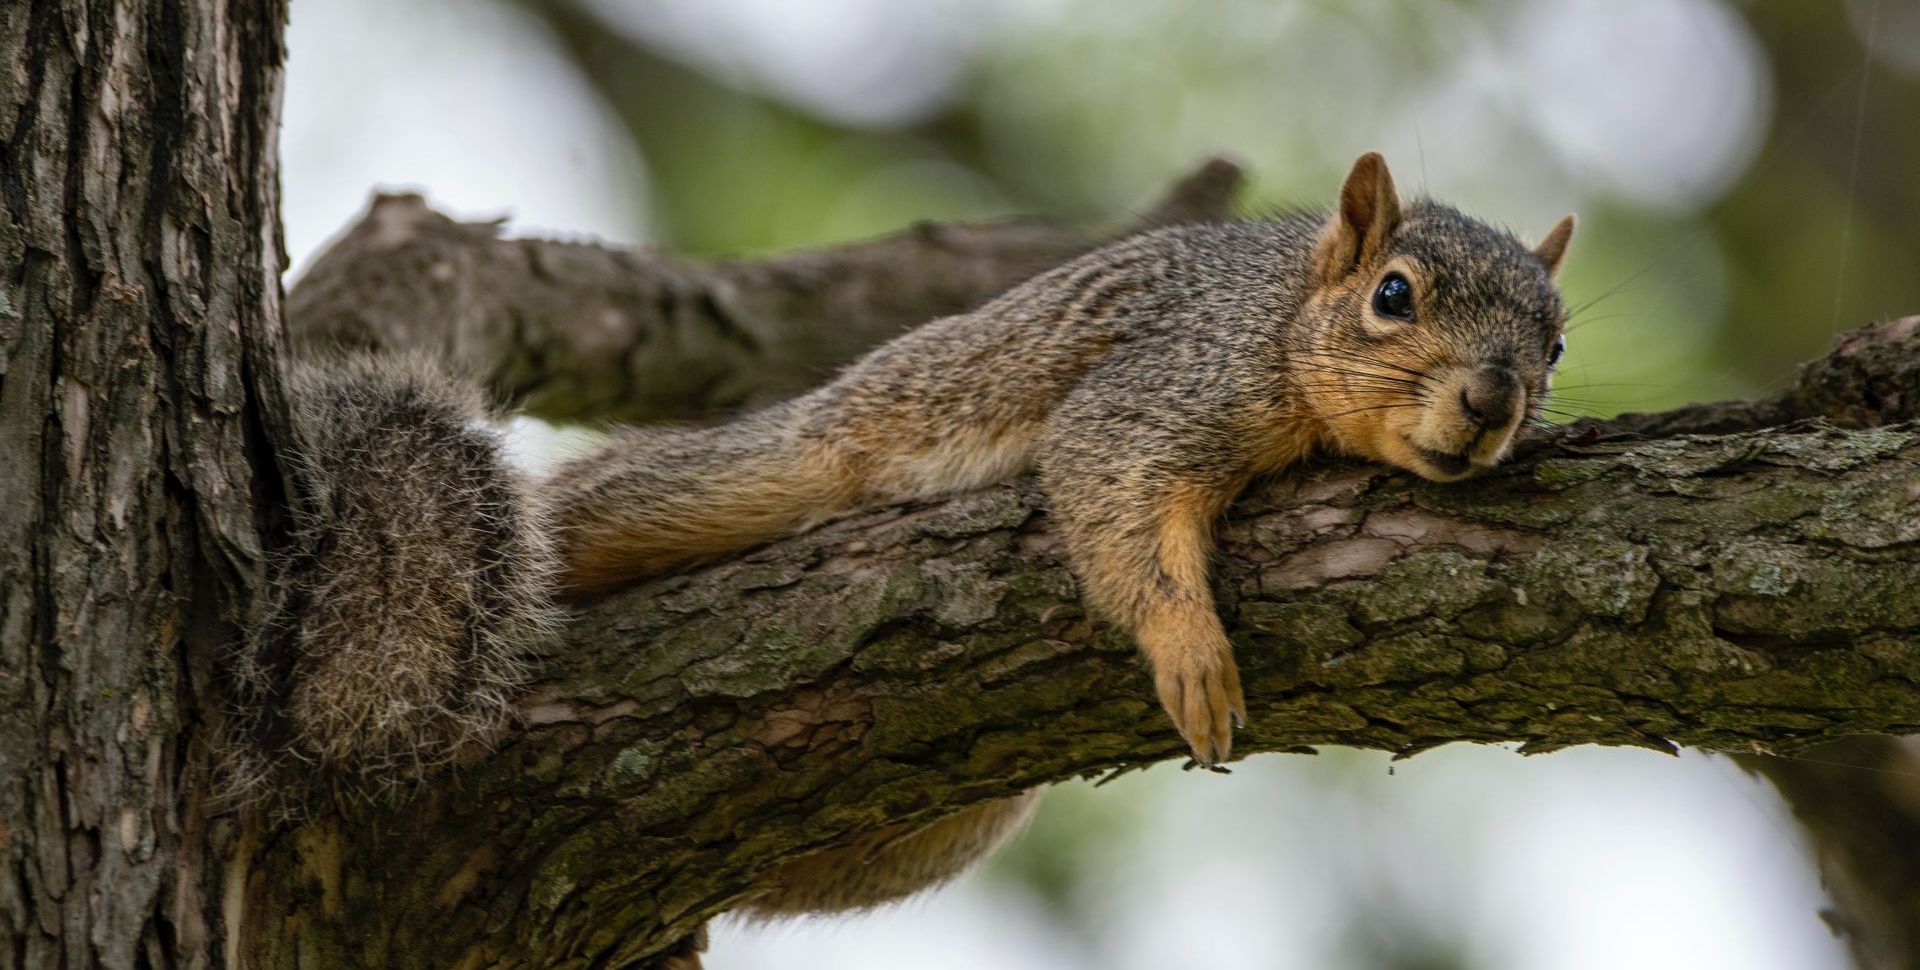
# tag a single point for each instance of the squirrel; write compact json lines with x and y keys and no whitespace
{"x":1147,"y":383}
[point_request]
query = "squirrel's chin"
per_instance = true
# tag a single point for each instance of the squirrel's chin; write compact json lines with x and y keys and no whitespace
{"x":1435,"y":474}
{"x":1436,"y":466}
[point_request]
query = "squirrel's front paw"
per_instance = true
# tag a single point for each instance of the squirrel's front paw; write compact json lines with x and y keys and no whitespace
{"x":1199,"y":685}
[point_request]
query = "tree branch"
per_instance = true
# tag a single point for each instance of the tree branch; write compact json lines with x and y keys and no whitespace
{"x":1871,"y":377}
{"x":573,"y":331}
{"x":1742,"y":592}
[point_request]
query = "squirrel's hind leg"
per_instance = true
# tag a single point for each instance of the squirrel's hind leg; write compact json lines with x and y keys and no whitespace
{"x":891,"y":863}
{"x":876,"y":868}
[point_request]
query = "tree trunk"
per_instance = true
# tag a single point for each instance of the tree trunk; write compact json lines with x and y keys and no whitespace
{"x":139,"y":407}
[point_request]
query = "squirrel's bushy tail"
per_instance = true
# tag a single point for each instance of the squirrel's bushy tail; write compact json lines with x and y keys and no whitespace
{"x":419,"y":577}
{"x":657,"y":498}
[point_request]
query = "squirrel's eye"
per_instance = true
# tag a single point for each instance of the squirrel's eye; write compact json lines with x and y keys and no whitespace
{"x":1394,"y":298}
{"x":1559,"y":347}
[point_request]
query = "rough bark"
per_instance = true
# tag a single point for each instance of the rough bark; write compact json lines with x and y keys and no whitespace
{"x":139,"y":323}
{"x":1748,"y":591}
{"x":571,"y":331}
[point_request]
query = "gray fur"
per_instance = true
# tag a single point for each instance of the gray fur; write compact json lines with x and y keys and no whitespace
{"x":420,"y":576}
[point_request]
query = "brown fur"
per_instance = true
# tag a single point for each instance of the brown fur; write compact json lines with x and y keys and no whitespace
{"x":1147,"y":383}
{"x":890,"y":864}
{"x":876,"y":868}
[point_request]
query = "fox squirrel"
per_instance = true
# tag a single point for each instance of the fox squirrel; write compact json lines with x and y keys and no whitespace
{"x":1147,"y":383}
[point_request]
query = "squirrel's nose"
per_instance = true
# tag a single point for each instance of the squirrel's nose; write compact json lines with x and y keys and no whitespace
{"x":1491,"y":396}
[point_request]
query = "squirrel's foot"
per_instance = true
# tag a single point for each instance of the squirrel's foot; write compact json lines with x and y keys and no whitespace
{"x":1199,"y":685}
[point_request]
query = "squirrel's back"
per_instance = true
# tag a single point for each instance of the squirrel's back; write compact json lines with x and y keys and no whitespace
{"x":958,"y":403}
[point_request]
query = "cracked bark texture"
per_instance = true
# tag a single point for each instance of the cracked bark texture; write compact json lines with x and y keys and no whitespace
{"x":139,"y":329}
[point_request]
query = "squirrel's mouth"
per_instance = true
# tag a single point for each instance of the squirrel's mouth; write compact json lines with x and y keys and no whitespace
{"x":1443,"y":462}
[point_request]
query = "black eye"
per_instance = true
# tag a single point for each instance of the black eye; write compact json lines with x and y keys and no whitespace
{"x":1559,"y":347}
{"x":1394,"y":298}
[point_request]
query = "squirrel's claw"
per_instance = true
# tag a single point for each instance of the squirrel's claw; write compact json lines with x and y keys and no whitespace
{"x":1204,"y":700}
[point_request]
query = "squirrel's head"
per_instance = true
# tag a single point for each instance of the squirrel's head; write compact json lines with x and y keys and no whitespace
{"x":1428,"y":340}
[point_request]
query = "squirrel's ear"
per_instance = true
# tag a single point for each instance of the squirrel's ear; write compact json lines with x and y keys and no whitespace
{"x":1553,"y":249}
{"x":1369,"y":212}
